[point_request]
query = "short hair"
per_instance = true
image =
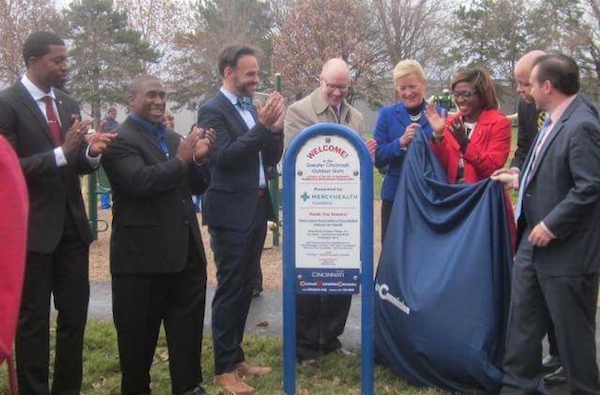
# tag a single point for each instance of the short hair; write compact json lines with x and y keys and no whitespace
{"x":230,"y":55}
{"x":482,"y":83}
{"x":561,"y":71}
{"x":408,"y":67}
{"x":135,"y":85}
{"x":38,"y":44}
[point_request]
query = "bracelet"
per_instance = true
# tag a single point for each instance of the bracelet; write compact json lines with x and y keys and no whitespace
{"x":437,"y":138}
{"x":196,"y":162}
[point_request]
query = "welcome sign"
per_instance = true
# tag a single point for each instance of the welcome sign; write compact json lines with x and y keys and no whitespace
{"x":327,"y":208}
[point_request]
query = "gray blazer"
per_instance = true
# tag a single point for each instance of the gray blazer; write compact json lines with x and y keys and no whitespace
{"x":564,"y":192}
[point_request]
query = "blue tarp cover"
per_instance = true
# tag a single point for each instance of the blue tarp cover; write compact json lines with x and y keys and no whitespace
{"x":443,"y":280}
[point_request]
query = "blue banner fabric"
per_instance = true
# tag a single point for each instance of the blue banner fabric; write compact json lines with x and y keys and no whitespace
{"x":443,"y":280}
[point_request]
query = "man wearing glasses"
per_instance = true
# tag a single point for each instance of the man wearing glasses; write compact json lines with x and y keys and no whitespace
{"x":320,"y":319}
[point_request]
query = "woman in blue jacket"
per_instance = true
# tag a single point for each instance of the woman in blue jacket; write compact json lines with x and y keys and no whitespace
{"x":396,"y":127}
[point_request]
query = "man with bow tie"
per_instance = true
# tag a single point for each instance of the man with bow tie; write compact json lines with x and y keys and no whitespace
{"x":237,"y":204}
{"x":42,"y":124}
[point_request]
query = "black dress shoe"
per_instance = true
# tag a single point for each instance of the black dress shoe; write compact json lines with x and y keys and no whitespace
{"x":557,"y":377}
{"x":551,"y":363}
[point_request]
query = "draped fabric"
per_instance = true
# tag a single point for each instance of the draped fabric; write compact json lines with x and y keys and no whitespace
{"x":14,"y":205}
{"x":443,"y":280}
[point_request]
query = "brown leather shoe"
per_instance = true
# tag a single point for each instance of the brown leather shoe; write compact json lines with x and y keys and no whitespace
{"x":233,"y":384}
{"x":245,"y":369}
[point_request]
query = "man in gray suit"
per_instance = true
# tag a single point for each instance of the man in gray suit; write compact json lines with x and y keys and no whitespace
{"x":555,"y":272}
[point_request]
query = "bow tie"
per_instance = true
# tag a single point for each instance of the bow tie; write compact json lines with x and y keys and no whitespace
{"x":244,"y":103}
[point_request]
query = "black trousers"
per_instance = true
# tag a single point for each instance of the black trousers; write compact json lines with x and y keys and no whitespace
{"x":237,"y":257}
{"x":141,"y":302}
{"x":320,"y":320}
{"x":537,"y":299}
{"x":64,"y":274}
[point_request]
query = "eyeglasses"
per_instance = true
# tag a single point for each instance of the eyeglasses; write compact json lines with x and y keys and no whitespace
{"x":342,"y":88}
{"x":463,"y":95}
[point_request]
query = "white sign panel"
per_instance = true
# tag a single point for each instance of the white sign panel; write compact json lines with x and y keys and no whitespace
{"x":327,"y":204}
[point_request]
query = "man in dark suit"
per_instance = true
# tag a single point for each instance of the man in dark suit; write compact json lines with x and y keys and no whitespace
{"x":237,"y":205}
{"x":157,"y":258}
{"x":555,"y":273}
{"x":530,"y":120}
{"x":42,"y":124}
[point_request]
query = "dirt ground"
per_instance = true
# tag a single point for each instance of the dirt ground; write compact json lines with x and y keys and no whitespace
{"x":271,"y":259}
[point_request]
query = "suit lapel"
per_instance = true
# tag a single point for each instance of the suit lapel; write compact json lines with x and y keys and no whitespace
{"x":230,"y":108}
{"x":35,"y":111}
{"x":66,"y":118}
{"x":150,"y":138}
{"x":553,"y":133}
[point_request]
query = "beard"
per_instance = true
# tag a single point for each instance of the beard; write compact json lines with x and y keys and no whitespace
{"x":245,"y":90}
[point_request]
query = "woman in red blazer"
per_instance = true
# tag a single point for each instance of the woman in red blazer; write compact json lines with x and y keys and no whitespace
{"x":474,"y":142}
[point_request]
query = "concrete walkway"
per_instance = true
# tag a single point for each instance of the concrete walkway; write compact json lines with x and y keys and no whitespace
{"x":266,"y":308}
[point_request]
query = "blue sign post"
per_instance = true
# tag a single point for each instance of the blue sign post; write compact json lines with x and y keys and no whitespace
{"x":327,"y":232}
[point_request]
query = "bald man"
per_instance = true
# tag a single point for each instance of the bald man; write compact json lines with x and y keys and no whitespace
{"x":528,"y":114}
{"x":320,"y":319}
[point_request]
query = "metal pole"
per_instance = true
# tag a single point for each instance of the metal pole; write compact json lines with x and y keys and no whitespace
{"x":274,"y":185}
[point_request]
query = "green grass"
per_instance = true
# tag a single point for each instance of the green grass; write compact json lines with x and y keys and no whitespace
{"x":338,"y":375}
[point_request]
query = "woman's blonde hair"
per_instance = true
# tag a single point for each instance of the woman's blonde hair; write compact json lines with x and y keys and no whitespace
{"x":409,"y":67}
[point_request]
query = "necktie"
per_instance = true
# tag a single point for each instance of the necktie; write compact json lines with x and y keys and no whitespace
{"x":336,"y":111}
{"x":53,"y":124}
{"x":530,"y":165}
{"x":541,"y":119}
{"x":244,"y":104}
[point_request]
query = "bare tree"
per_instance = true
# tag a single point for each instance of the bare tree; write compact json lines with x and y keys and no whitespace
{"x":217,"y":23}
{"x":314,"y":31}
{"x":578,"y":24}
{"x":160,"y":23}
{"x":18,"y":19}
{"x":413,"y":29}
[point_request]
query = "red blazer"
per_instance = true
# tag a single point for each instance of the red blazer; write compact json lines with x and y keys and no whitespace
{"x":487,"y":151}
{"x":14,"y":205}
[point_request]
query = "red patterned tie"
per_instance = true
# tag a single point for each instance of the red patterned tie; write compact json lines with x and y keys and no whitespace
{"x":336,"y":111}
{"x":53,"y":123}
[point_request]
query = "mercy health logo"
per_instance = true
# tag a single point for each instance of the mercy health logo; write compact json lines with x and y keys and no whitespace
{"x":383,"y":290}
{"x":328,"y":196}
